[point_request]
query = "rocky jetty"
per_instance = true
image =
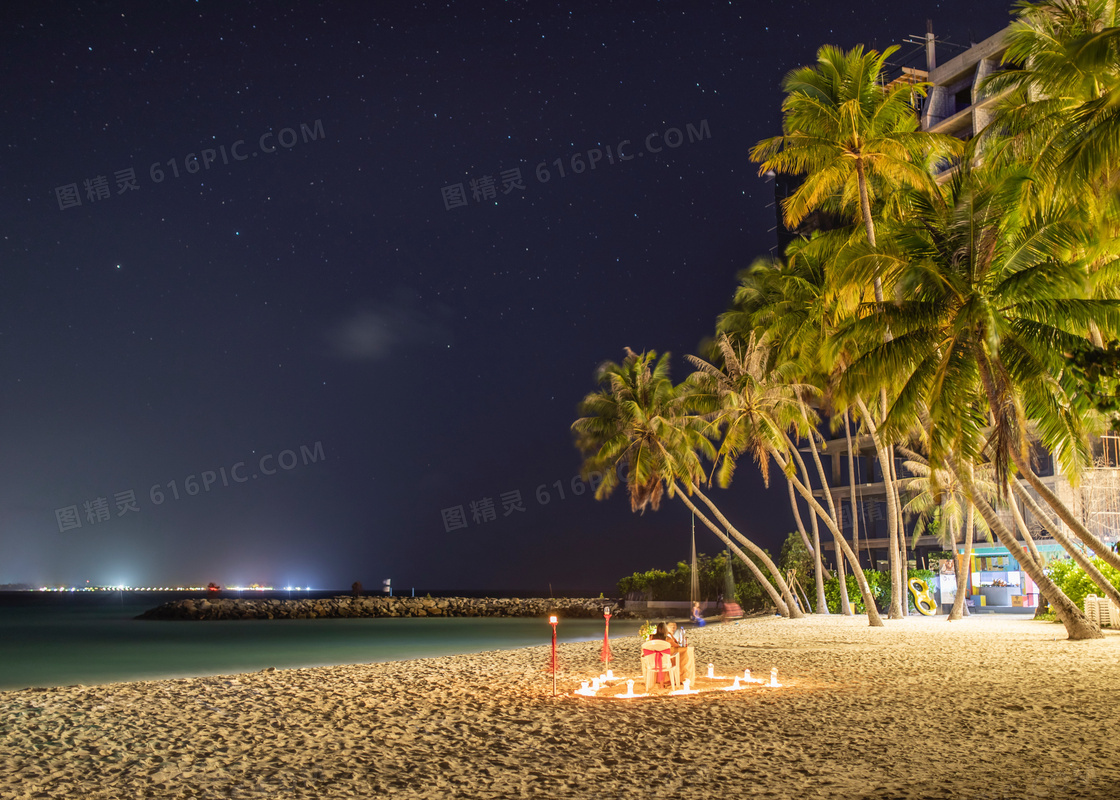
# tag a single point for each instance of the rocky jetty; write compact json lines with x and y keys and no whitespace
{"x":198,"y":608}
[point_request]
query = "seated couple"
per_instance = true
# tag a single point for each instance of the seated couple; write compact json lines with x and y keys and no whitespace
{"x":667,"y":632}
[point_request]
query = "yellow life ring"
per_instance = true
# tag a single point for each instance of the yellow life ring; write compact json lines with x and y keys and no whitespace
{"x":923,"y":600}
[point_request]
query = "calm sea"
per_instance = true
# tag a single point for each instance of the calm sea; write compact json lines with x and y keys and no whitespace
{"x":56,"y":639}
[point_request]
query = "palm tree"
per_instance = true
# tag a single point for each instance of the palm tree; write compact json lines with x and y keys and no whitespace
{"x":753,"y":406}
{"x":854,"y":141}
{"x":988,"y":302}
{"x":1059,"y":97}
{"x":850,"y":137}
{"x":638,"y":423}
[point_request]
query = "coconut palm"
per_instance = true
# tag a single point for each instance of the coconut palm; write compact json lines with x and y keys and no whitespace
{"x":988,"y":301}
{"x":853,"y":139}
{"x":638,"y":424}
{"x":753,"y":404}
{"x":1059,"y":95}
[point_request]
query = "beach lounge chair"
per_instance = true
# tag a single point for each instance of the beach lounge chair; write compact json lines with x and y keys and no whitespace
{"x":1106,"y":613}
{"x":1092,"y":610}
{"x":658,"y":661}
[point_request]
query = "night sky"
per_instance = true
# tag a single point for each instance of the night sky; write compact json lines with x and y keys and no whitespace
{"x":353,"y":290}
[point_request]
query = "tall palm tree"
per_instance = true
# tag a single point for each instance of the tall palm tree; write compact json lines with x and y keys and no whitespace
{"x":856,"y":142}
{"x":637,"y":424}
{"x":988,"y":302}
{"x":852,"y":138}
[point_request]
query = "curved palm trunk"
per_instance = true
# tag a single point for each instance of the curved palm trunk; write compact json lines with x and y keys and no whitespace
{"x":892,"y":513}
{"x":779,"y":603}
{"x":963,"y":568}
{"x":798,"y":520}
{"x":1051,"y":499}
{"x":1021,"y":524}
{"x":1069,"y":546}
{"x":845,"y":606}
{"x":1064,"y":514}
{"x":818,"y":566}
{"x":842,"y":577}
{"x":1078,"y":626}
{"x":794,"y":607}
{"x":873,"y":617}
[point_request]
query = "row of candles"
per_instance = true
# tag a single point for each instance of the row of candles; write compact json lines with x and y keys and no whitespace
{"x":589,"y":688}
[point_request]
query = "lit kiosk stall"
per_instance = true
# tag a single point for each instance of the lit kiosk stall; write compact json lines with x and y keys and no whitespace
{"x":999,"y":585}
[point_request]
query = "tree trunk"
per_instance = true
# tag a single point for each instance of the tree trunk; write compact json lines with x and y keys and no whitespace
{"x":818,"y":567}
{"x":964,"y":569}
{"x":892,"y":514}
{"x":1013,"y":504}
{"x":873,"y":617}
{"x":779,"y":603}
{"x":842,"y":577}
{"x":1078,"y":626}
{"x":794,"y":611}
{"x":1055,"y":530}
{"x":869,"y":226}
{"x":797,"y":518}
{"x":1064,"y":514}
{"x":851,"y":485}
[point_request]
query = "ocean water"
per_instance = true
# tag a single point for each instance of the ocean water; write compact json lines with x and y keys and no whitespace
{"x":62,"y":639}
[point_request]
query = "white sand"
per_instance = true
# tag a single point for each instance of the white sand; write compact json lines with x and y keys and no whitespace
{"x":990,"y":707}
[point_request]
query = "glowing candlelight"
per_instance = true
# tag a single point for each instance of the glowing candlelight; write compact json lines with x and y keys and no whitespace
{"x":594,"y":684}
{"x":747,"y":676}
{"x":583,"y":686}
{"x":711,"y":670}
{"x":686,"y":685}
{"x":603,"y":678}
{"x":610,"y":674}
{"x":773,"y":676}
{"x":629,"y":687}
{"x":736,"y":684}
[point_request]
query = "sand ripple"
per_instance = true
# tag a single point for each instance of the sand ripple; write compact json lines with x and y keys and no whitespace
{"x":989,"y":707}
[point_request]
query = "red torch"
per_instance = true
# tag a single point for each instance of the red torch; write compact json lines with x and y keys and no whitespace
{"x":606,"y":654}
{"x":552,"y":621}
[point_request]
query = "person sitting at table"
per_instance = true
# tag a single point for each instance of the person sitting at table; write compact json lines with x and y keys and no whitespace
{"x":671,"y":635}
{"x":678,"y":646}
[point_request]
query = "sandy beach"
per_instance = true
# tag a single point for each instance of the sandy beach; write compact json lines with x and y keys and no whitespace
{"x":989,"y":707}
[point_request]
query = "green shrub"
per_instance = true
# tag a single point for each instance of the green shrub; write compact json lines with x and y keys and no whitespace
{"x":1073,"y":581}
{"x":880,"y":585}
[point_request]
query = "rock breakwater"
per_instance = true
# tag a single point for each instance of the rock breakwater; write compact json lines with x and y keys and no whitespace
{"x":202,"y":608}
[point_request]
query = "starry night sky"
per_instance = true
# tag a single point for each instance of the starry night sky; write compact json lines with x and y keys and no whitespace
{"x":325,"y":301}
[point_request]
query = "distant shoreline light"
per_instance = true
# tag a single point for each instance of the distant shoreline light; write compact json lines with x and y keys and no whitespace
{"x":253,"y":588}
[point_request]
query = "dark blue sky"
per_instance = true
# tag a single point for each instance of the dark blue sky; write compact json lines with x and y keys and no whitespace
{"x":311,"y":290}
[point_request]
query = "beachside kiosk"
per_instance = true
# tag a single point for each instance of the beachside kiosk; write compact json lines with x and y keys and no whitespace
{"x":996,"y":583}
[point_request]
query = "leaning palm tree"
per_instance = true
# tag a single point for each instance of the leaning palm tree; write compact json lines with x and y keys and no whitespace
{"x":753,"y":405}
{"x":638,"y":424}
{"x":988,"y":303}
{"x":792,"y":303}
